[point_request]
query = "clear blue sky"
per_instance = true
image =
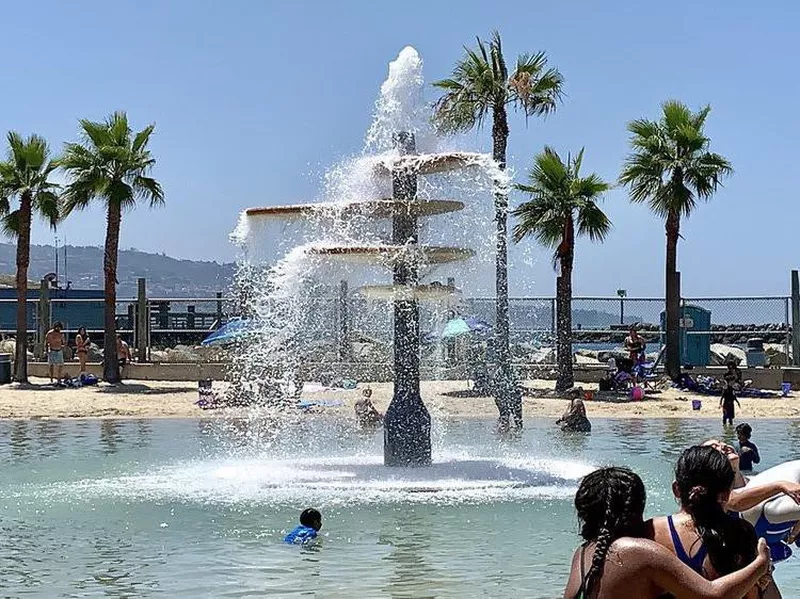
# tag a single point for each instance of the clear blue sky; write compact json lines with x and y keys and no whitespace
{"x":253,"y":99}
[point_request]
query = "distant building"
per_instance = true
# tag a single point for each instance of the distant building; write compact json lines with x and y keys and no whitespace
{"x":72,"y":315}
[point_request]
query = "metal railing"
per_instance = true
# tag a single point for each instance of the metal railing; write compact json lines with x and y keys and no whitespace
{"x":600,"y":322}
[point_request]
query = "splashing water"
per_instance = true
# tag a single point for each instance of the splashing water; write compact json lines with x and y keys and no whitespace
{"x":292,"y":258}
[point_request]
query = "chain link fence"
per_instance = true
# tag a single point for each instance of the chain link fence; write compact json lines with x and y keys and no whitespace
{"x":342,"y":324}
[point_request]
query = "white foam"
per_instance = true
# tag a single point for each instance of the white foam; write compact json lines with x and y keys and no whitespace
{"x":334,"y":481}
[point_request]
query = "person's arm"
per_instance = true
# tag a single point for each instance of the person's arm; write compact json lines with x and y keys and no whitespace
{"x":736,"y":399}
{"x":748,"y":497}
{"x":756,"y":455}
{"x":673,"y":576}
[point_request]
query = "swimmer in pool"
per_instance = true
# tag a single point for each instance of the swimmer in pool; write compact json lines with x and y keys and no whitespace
{"x":310,"y":523}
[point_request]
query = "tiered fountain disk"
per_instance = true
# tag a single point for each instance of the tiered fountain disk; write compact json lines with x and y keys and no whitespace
{"x":407,"y":424}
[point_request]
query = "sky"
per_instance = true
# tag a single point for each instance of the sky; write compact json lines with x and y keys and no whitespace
{"x":253,"y":99}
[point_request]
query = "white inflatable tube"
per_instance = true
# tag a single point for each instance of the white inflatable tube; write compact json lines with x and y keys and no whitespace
{"x":782,"y":510}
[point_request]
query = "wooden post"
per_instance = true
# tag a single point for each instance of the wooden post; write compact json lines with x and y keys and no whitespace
{"x":142,"y":320}
{"x":450,"y":345}
{"x":43,"y":324}
{"x":407,"y":424}
{"x":219,"y":308}
{"x":343,"y":330}
{"x":795,"y":319}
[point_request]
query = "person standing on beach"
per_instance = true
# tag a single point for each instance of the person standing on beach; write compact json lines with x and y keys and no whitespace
{"x":82,"y":347}
{"x":634,"y":344}
{"x":54,"y":340}
{"x":123,"y":354}
{"x":726,"y":403}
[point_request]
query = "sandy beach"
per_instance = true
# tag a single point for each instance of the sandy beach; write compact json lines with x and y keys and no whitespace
{"x":163,"y":399}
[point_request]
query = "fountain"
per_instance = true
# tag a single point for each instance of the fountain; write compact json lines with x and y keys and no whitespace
{"x":407,"y":424}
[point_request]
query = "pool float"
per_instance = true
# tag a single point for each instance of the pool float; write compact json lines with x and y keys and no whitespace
{"x":775,"y":518}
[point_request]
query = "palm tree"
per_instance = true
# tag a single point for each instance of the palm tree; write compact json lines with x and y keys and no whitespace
{"x":671,"y":168}
{"x":481,"y":86}
{"x":563,"y":206}
{"x":24,"y":177}
{"x":110,"y":164}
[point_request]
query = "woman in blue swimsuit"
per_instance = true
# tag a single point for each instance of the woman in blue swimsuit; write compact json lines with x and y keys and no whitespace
{"x":702,"y":535}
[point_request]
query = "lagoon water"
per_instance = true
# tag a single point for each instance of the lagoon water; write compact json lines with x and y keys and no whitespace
{"x":182,"y":508}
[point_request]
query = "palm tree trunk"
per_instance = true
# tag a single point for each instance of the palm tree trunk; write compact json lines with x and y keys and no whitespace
{"x":23,"y":260}
{"x":507,"y":396}
{"x":565,"y":379}
{"x":110,"y":362}
{"x":673,"y":297}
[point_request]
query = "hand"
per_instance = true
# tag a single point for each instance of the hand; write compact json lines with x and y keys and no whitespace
{"x":745,"y":450}
{"x":792,"y":490}
{"x":763,"y":557}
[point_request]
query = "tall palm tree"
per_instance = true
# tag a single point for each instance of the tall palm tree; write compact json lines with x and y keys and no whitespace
{"x":671,"y":168}
{"x":110,"y":164}
{"x":479,"y":87}
{"x":563,"y":206}
{"x":25,"y":190}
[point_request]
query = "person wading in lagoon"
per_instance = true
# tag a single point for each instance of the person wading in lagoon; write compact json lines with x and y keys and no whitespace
{"x":82,"y":347}
{"x":702,"y":535}
{"x":54,"y":341}
{"x":613,"y":563}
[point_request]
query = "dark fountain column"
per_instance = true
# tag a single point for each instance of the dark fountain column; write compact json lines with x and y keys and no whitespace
{"x":407,"y":424}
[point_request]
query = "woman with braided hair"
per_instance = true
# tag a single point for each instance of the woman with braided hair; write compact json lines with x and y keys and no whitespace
{"x":610,"y":504}
{"x":702,"y":534}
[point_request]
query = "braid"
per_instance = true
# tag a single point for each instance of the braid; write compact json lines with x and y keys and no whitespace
{"x":610,"y":502}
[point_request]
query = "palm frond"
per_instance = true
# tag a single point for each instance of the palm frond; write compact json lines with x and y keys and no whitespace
{"x":671,"y":167}
{"x":10,"y":224}
{"x":559,"y":195}
{"x":111,"y":165}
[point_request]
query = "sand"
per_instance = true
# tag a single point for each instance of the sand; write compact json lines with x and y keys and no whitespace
{"x":163,"y":399}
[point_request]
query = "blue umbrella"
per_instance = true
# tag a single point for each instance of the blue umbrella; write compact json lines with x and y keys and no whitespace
{"x":234,"y":330}
{"x":463,"y":325}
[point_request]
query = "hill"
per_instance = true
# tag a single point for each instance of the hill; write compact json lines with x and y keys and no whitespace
{"x":165,"y":276}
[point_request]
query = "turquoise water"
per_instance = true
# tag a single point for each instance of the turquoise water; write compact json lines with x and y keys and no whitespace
{"x":181,"y":508}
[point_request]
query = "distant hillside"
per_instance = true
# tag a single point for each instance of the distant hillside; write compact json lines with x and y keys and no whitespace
{"x":165,"y":276}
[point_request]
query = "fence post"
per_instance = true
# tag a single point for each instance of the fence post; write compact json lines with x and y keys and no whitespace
{"x":795,"y":319}
{"x":219,"y":308}
{"x":553,"y":316}
{"x":343,"y":332}
{"x":44,"y":317}
{"x":142,"y":320}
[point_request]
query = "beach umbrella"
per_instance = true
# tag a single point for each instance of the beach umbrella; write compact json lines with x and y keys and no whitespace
{"x":464,"y":325}
{"x":234,"y":330}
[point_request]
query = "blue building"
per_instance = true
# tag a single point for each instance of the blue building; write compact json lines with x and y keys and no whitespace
{"x":72,"y":314}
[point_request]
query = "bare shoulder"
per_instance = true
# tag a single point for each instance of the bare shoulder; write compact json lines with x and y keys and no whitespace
{"x":639,"y":548}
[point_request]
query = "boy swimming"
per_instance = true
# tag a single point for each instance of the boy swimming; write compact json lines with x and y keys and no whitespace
{"x":310,"y":523}
{"x":748,"y":452}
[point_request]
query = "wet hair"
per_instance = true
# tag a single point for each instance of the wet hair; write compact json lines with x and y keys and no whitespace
{"x":311,"y":518}
{"x":82,"y":332}
{"x":702,"y":474}
{"x":745,"y":430}
{"x":610,"y":504}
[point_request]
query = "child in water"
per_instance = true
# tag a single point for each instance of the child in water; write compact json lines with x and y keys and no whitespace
{"x":310,"y":523}
{"x":726,"y":403}
{"x":748,"y":452}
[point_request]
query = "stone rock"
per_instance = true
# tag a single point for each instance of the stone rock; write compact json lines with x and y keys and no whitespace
{"x":776,"y":354}
{"x":605,"y":355}
{"x":8,"y":346}
{"x":721,"y":354}
{"x":581,"y":359}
